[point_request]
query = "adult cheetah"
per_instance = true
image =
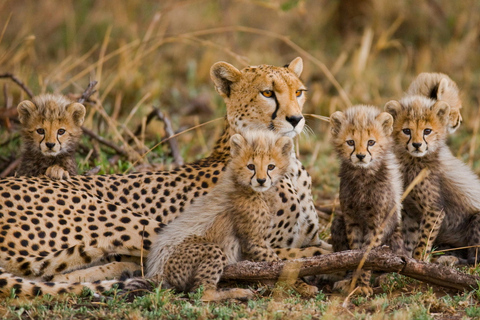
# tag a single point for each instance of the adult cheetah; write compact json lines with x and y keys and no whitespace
{"x":51,"y":228}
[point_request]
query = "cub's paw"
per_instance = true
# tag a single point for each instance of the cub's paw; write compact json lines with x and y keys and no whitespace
{"x":447,"y":260}
{"x":343,"y":286}
{"x":56,"y":172}
{"x":237,"y":293}
{"x":305,"y":290}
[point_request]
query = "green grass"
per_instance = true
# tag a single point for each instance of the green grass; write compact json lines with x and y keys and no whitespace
{"x":159,"y":54}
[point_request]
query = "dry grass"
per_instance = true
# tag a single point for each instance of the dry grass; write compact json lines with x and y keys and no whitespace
{"x":159,"y":53}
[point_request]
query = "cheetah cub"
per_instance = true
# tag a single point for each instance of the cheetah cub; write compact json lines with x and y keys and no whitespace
{"x":227,"y":225}
{"x":439,"y":86}
{"x":370,"y":185}
{"x":443,"y":209}
{"x":51,"y":128}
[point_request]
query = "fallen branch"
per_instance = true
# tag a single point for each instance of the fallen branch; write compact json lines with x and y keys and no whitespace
{"x":381,"y":259}
{"x":11,"y":167}
{"x":20,"y":83}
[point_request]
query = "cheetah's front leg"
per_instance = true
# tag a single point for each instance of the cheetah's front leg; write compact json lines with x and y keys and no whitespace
{"x":430,"y":226}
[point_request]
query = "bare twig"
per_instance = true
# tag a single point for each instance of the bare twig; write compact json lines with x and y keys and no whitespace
{"x":104,"y":141}
{"x":11,"y":167}
{"x":88,"y":92}
{"x":19,"y":83}
{"x":177,"y":157}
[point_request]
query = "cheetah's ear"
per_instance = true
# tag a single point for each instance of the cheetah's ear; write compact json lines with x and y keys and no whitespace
{"x":77,"y":111}
{"x":336,"y":120}
{"x":296,"y":66}
{"x":442,"y":88}
{"x":285,"y":144}
{"x":25,"y":110}
{"x":386,"y":120}
{"x":237,"y":142}
{"x":393,"y":107}
{"x":223,"y":75}
{"x":442,"y":110}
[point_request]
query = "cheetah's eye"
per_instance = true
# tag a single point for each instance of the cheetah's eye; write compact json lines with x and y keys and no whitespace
{"x":267,"y":93}
{"x":271,"y":167}
{"x":61,"y":132}
{"x":371,"y":142}
{"x":251,"y":166}
{"x":41,"y":131}
{"x":299,"y":93}
{"x":427,"y":131}
{"x":351,"y":143}
{"x":406,"y":131}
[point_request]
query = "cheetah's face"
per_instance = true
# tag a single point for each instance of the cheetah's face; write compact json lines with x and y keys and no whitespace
{"x":361,"y":134}
{"x":261,"y":161}
{"x":50,"y":124}
{"x":420,"y":124}
{"x":262,"y":97}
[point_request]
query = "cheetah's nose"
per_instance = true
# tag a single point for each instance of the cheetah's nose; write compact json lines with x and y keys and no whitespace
{"x":261,"y":181}
{"x":294,"y":120}
{"x":50,"y":145}
{"x":416,"y":145}
{"x":360,"y":156}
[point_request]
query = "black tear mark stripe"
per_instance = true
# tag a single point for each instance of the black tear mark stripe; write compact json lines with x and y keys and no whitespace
{"x":425,"y":142}
{"x":368,"y":150}
{"x":354,"y":147}
{"x":277,"y":105}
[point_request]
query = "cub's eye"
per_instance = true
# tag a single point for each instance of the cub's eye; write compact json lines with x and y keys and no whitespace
{"x":299,"y":93}
{"x":271,"y":167}
{"x":427,"y":131}
{"x":61,"y":132}
{"x":267,"y":93}
{"x":251,"y":166}
{"x":41,"y":131}
{"x":406,"y":131}
{"x":371,"y":142}
{"x":351,"y":143}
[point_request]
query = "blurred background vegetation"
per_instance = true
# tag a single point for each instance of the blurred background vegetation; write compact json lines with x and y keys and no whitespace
{"x":158,"y":53}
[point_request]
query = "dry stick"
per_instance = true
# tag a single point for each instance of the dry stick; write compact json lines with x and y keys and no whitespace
{"x":104,"y":141}
{"x":88,"y":92}
{"x":419,"y":178}
{"x":12,"y":166}
{"x":380,"y":258}
{"x":171,"y":137}
{"x":18,"y":82}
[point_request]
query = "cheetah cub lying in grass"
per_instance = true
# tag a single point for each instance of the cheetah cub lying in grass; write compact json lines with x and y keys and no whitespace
{"x":229,"y":224}
{"x":443,"y":209}
{"x":370,"y":186}
{"x":439,"y":86}
{"x":51,"y":128}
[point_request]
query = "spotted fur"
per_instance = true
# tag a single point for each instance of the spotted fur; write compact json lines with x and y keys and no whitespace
{"x":370,"y":185}
{"x":51,"y":129}
{"x":443,"y":209}
{"x":51,"y":228}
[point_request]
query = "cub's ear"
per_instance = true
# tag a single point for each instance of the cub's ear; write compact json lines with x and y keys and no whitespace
{"x":285,"y":144}
{"x":25,"y":110}
{"x":296,"y":66}
{"x":442,"y":110}
{"x":442,"y":88}
{"x":386,"y":120}
{"x":223,"y":75}
{"x":393,"y":107}
{"x":237,"y":142}
{"x":77,"y":111}
{"x":336,"y":120}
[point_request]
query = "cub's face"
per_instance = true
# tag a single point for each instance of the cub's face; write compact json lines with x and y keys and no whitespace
{"x":420,"y":124}
{"x":262,"y":97}
{"x":259,"y":162}
{"x":50,"y":124}
{"x":361,"y":135}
